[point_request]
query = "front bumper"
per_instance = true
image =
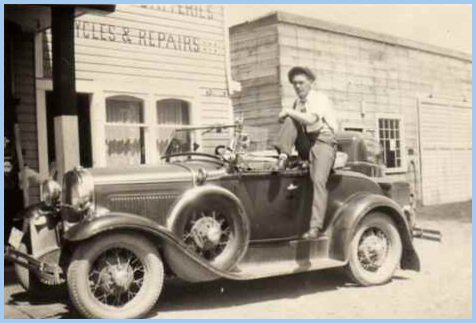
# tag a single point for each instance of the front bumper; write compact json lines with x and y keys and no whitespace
{"x":45,"y":271}
{"x":37,"y":246}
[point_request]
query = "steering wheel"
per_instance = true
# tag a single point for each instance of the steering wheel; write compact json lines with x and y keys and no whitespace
{"x":216,"y":159}
{"x":217,"y":149}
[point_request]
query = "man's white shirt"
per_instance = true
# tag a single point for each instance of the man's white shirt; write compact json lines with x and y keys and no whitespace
{"x":319,"y":104}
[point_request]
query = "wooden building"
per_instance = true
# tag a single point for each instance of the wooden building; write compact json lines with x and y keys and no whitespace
{"x":139,"y":71}
{"x":414,"y":98}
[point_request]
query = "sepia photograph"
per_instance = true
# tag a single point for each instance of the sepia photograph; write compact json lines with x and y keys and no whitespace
{"x":237,"y":161}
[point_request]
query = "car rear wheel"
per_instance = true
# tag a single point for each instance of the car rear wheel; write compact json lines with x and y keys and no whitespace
{"x":115,"y":276}
{"x":375,"y":250}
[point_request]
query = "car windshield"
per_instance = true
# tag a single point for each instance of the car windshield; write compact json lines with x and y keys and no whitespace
{"x":210,"y":138}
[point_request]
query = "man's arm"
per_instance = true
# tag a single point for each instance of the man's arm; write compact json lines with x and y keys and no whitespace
{"x":305,"y":118}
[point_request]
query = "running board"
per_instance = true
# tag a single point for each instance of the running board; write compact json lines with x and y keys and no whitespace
{"x":262,"y":260}
{"x":280,"y":268}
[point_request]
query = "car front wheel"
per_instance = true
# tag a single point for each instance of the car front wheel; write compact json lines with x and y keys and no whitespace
{"x":375,"y":250}
{"x":115,"y":276}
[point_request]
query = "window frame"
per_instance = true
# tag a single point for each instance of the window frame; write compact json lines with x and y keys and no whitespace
{"x":144,"y":124}
{"x":149,"y":102}
{"x":158,"y":125}
{"x":403,"y":154}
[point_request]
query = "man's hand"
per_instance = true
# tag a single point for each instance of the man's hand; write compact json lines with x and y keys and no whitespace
{"x":283,"y":114}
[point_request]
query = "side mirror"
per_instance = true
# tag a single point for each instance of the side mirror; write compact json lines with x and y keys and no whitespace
{"x":245,"y":141}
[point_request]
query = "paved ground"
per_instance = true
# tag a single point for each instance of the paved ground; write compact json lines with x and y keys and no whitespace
{"x":441,"y":290}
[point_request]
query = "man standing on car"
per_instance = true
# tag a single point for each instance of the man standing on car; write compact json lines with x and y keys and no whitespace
{"x":309,"y":125}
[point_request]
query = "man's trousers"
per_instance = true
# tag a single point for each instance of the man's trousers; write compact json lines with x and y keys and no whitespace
{"x":321,"y":157}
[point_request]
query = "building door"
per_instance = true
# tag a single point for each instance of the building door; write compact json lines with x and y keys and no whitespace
{"x":445,"y":150}
{"x":84,"y":125}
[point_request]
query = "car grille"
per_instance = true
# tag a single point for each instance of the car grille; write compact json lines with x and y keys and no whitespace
{"x":153,"y":205}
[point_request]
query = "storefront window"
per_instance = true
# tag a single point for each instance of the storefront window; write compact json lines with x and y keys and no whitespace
{"x":390,"y":140}
{"x":125,"y":131}
{"x":172,"y":113}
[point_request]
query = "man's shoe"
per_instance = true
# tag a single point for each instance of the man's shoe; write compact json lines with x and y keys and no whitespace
{"x":282,"y":162}
{"x":312,"y":234}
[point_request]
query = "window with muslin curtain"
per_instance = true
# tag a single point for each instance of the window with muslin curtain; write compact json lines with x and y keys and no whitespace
{"x":125,"y":131}
{"x":170,"y":114}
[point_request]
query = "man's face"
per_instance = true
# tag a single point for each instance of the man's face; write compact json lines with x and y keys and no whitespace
{"x":302,"y":85}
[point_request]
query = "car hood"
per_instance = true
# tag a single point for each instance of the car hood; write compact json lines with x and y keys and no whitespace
{"x":164,"y":172}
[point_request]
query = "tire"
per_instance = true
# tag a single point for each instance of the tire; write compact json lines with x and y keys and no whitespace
{"x":236,"y":223}
{"x":369,"y":234}
{"x":33,"y":285}
{"x":90,"y":255}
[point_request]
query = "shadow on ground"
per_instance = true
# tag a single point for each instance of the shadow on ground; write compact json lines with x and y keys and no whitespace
{"x":178,"y":296}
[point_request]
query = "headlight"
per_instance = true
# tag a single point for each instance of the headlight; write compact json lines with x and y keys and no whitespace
{"x":50,"y":192}
{"x":78,"y":189}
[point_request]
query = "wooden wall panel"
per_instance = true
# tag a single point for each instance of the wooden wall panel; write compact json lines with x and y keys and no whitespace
{"x":24,"y":83}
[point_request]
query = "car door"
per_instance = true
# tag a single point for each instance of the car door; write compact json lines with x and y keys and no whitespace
{"x":277,"y":203}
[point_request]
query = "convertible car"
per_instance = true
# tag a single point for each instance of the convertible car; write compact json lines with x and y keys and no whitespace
{"x":111,"y":236}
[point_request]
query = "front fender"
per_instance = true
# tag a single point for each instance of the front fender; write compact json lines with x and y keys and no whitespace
{"x":40,"y":226}
{"x":113,"y":221}
{"x":197,"y":194}
{"x":197,"y":268}
{"x":354,"y":210}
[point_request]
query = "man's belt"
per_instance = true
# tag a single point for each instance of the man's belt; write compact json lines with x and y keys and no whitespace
{"x":313,"y":135}
{"x":316,"y":136}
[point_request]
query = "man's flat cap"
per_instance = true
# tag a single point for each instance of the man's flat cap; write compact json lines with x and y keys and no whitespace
{"x":300,"y":70}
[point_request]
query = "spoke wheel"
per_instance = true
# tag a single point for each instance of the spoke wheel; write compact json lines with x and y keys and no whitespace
{"x":208,"y":233}
{"x":115,"y":276}
{"x":213,"y":228}
{"x":375,"y":250}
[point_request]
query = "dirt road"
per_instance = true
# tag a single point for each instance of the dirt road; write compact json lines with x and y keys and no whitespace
{"x":441,"y":290}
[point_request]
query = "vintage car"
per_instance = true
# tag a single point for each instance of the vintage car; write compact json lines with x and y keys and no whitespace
{"x":112,"y":235}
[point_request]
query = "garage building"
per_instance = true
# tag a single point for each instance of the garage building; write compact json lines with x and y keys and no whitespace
{"x":414,"y":98}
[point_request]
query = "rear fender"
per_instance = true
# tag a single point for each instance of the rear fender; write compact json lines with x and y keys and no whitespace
{"x":197,"y":268}
{"x":354,"y":210}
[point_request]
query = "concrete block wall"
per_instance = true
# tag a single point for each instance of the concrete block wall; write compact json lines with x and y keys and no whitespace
{"x":365,"y":78}
{"x":365,"y":74}
{"x":255,"y":64}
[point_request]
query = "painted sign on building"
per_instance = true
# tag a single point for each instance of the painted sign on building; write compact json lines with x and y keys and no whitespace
{"x":147,"y":69}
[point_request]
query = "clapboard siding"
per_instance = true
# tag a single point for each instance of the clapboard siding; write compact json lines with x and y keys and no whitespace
{"x":170,"y":12}
{"x":24,"y":83}
{"x":141,"y":18}
{"x":359,"y":74}
{"x":133,"y":41}
{"x":146,"y":51}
